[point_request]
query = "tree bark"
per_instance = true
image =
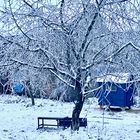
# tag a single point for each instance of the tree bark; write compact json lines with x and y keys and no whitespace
{"x":78,"y":107}
{"x":30,"y":92}
{"x":32,"y":98}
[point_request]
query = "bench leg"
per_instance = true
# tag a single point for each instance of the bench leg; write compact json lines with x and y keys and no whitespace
{"x":42,"y":123}
{"x":38,"y":123}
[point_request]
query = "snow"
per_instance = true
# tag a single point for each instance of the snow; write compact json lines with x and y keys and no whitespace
{"x":116,"y":78}
{"x":18,"y":121}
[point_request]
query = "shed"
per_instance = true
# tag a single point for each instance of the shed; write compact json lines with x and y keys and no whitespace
{"x":115,"y":90}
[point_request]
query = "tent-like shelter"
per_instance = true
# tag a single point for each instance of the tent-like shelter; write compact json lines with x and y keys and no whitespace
{"x":115,"y":90}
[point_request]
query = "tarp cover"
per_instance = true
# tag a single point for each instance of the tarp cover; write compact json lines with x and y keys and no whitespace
{"x":18,"y":88}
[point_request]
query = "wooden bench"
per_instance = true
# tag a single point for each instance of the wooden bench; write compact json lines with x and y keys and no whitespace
{"x":64,"y":122}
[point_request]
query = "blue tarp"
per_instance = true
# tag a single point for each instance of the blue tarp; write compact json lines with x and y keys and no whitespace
{"x":115,"y":94}
{"x":18,"y":88}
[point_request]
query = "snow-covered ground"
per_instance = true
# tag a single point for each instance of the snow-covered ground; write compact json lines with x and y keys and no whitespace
{"x":18,"y":121}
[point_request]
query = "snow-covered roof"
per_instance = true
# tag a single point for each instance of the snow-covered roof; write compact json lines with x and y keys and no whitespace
{"x":116,"y":78}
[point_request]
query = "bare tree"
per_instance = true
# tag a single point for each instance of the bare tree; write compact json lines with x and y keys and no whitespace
{"x":75,"y":41}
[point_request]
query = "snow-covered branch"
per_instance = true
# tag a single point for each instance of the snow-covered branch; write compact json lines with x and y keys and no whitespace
{"x":88,"y":33}
{"x":61,"y":13}
{"x":122,"y":48}
{"x":17,"y":23}
{"x":93,"y":90}
{"x":51,"y":69}
{"x":8,"y":64}
{"x":115,"y":2}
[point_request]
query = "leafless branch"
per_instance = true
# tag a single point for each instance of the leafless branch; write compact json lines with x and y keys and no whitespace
{"x":61,"y":13}
{"x":123,"y":47}
{"x":88,"y":33}
{"x":115,"y":2}
{"x":93,"y":90}
{"x":8,"y":64}
{"x":17,"y":23}
{"x":89,"y":29}
{"x":51,"y":69}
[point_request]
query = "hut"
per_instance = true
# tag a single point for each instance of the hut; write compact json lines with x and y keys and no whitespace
{"x":115,"y":90}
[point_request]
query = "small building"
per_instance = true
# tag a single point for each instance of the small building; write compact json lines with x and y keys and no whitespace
{"x":115,"y":90}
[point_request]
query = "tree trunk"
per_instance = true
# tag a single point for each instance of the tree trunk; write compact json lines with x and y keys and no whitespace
{"x":32,"y":98}
{"x":78,"y":107}
{"x":30,"y":91}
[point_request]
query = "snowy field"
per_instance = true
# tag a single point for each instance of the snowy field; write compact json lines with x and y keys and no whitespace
{"x":18,"y":121}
